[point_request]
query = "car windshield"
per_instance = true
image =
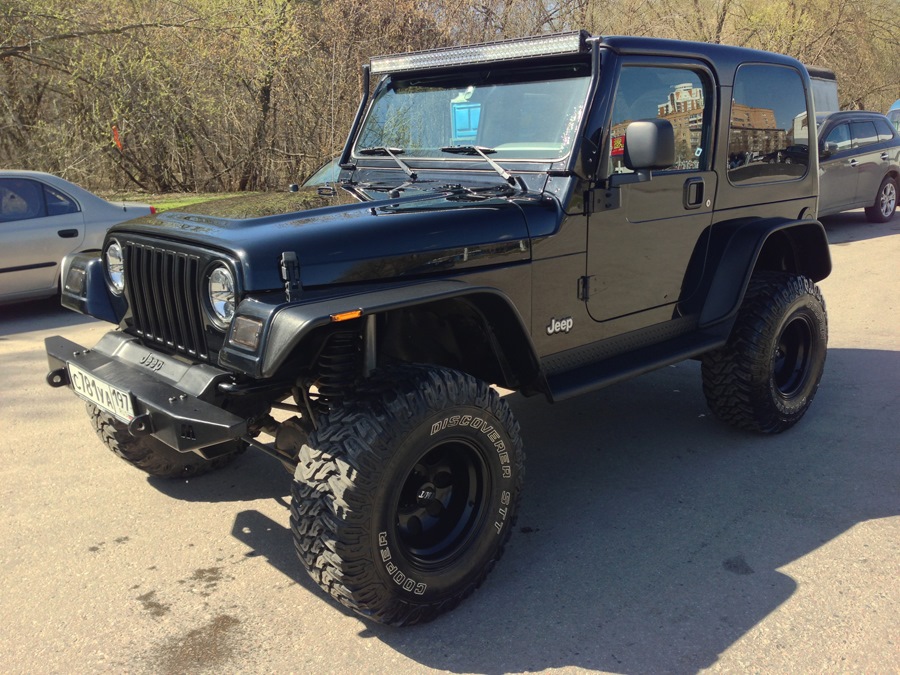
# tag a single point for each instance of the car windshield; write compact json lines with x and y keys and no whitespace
{"x":522,"y":114}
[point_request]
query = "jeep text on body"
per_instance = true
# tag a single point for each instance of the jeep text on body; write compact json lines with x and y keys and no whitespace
{"x":550,"y":215}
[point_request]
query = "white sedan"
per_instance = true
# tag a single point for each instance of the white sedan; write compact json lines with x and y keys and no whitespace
{"x":44,"y":218}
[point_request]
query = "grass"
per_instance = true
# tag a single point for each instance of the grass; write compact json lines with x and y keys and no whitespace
{"x":167,"y":202}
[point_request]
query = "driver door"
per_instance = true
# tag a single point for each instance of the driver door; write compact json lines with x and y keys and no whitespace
{"x":640,"y":248}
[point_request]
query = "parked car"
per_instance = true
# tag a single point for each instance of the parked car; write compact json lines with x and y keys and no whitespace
{"x":859,"y":164}
{"x":43,"y":218}
{"x":893,"y":114}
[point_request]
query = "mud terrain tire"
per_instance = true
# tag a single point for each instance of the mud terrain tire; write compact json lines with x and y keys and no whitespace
{"x":406,"y":495}
{"x":765,"y":378}
{"x":151,"y":455}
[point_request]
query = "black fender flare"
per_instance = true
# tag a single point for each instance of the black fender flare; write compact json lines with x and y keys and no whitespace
{"x":292,"y":324}
{"x":84,"y":288}
{"x":739,"y":247}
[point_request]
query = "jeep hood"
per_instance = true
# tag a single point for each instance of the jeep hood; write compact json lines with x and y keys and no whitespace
{"x":350,"y":236}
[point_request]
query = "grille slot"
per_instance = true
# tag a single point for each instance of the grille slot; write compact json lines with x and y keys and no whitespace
{"x":162,"y":288}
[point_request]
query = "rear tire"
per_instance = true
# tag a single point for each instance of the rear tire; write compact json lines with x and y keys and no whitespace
{"x":765,"y":378}
{"x":151,"y":455}
{"x":885,"y":202}
{"x":406,"y":495}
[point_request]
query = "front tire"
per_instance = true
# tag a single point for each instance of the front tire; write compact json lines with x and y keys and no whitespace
{"x":765,"y":378}
{"x":151,"y":455}
{"x":406,"y":495}
{"x":885,"y":202}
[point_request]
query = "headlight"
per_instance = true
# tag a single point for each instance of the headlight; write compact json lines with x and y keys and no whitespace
{"x":220,"y":291}
{"x":115,"y":266}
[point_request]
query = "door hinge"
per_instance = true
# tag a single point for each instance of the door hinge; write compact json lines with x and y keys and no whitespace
{"x":584,"y":287}
{"x":290,"y":274}
{"x":602,"y":199}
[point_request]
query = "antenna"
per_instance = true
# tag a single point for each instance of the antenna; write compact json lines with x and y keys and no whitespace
{"x":331,"y":140}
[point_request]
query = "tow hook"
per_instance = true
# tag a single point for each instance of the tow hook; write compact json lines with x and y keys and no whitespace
{"x":58,"y":378}
{"x":140,"y":426}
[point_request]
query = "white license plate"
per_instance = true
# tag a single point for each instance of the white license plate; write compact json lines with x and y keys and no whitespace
{"x":103,"y":395}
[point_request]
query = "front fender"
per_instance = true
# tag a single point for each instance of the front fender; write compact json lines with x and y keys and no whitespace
{"x":289,"y":325}
{"x":84,"y":288}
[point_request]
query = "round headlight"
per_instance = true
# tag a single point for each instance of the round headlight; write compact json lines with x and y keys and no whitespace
{"x":220,"y":289}
{"x":115,"y":266}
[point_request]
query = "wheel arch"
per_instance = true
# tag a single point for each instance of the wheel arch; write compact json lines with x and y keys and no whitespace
{"x":739,"y":248}
{"x":481,"y":331}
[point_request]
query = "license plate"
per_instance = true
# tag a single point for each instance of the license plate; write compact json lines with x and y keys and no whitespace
{"x":104,"y":396}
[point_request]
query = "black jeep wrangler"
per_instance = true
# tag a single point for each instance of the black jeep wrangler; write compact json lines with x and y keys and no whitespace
{"x":550,"y":215}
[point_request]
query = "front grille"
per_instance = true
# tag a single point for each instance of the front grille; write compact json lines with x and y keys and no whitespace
{"x":163,"y":286}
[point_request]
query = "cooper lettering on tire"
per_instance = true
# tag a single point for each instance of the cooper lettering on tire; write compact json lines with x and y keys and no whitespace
{"x":405,"y":496}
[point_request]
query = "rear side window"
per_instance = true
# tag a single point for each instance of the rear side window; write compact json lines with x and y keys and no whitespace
{"x":885,"y":132}
{"x":863,"y":134}
{"x":57,"y":203}
{"x":769,"y":136}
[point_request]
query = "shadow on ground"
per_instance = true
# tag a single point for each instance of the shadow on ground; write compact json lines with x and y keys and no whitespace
{"x":26,"y":317}
{"x":846,"y":228}
{"x":651,"y":536}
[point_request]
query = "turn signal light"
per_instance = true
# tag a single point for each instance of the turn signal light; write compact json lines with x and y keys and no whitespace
{"x":346,"y":316}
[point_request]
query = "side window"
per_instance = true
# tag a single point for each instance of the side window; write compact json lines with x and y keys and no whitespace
{"x":885,"y":132}
{"x":57,"y":203}
{"x":769,"y":136}
{"x":838,"y":139}
{"x":863,"y":134}
{"x":21,"y":199}
{"x":678,"y":95}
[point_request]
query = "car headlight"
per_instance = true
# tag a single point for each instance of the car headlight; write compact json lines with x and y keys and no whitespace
{"x":220,"y":292}
{"x":115,"y":266}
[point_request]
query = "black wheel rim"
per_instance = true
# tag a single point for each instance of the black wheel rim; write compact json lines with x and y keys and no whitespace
{"x":793,"y":352}
{"x":441,"y":504}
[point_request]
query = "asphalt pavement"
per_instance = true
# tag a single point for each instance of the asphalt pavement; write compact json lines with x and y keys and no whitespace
{"x":651,"y":539}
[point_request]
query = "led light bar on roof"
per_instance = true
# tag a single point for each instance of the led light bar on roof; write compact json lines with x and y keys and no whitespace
{"x":541,"y":45}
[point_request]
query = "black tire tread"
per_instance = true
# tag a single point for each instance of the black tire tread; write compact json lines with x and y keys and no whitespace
{"x":733,"y":373}
{"x":149,"y":454}
{"x":342,"y":462}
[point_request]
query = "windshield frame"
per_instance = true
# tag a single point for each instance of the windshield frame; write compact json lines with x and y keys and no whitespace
{"x":523,"y":72}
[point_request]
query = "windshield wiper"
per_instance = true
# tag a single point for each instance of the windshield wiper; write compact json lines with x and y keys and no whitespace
{"x":483,"y":152}
{"x":392,"y":153}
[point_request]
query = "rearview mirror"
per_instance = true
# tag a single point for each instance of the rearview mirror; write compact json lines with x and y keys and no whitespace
{"x":830,"y":149}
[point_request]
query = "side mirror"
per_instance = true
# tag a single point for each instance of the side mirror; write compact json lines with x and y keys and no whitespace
{"x":830,"y":149}
{"x":649,"y":145}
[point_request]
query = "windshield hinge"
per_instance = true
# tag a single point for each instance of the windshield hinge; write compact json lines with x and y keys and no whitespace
{"x":290,"y":274}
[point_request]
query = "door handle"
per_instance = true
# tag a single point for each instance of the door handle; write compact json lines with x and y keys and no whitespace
{"x":884,"y":156}
{"x":68,"y":234}
{"x":694,"y":193}
{"x":854,"y":163}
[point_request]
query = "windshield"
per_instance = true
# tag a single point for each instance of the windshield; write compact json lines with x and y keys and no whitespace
{"x":520,"y":114}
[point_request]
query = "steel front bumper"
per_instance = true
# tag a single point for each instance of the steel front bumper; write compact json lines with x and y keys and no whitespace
{"x":168,"y":398}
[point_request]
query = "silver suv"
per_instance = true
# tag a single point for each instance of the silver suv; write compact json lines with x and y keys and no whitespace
{"x":859,"y":164}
